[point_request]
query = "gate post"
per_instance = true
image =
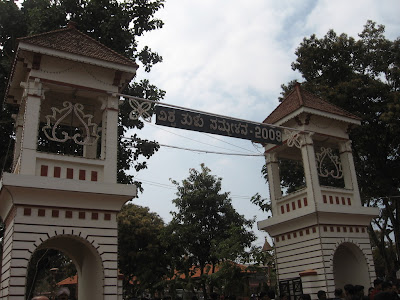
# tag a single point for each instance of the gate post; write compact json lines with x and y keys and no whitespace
{"x":62,"y":192}
{"x":322,"y":221}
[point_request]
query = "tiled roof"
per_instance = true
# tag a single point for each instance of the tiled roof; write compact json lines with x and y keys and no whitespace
{"x":73,"y":41}
{"x":301,"y":98}
{"x":69,"y":280}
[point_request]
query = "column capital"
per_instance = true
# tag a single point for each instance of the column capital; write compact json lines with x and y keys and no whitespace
{"x":307,"y":139}
{"x":345,"y":146}
{"x":33,"y":87}
{"x":271,"y":157}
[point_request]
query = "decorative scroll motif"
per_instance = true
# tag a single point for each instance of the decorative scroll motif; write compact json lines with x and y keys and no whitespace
{"x":140,"y":109}
{"x":293,"y":138}
{"x":90,"y":134}
{"x":326,"y":158}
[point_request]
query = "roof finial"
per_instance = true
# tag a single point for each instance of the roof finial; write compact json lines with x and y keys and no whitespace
{"x":72,"y":24}
{"x":298,"y":91}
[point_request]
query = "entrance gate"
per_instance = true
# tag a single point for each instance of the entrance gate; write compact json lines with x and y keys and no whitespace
{"x":292,"y":287}
{"x":54,"y":200}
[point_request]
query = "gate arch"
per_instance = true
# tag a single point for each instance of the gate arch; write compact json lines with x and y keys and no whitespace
{"x":86,"y":259}
{"x":350,"y":266}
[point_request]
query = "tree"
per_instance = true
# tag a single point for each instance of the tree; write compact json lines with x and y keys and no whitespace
{"x":116,"y":24}
{"x":362,"y":76}
{"x":46,"y":268}
{"x":206,"y":229}
{"x":142,"y":258}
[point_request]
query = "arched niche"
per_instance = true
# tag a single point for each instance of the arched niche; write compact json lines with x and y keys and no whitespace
{"x":350,"y":266}
{"x":87,"y":261}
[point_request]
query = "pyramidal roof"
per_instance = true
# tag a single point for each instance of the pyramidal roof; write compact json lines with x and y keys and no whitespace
{"x":73,"y":41}
{"x":299,"y":98}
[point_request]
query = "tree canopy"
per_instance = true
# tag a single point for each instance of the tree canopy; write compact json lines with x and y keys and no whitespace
{"x":362,"y":76}
{"x":116,"y":24}
{"x":142,"y":258}
{"x":206,"y":227}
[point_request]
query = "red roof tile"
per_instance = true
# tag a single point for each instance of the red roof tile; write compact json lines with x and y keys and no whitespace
{"x":73,"y":41}
{"x":301,"y":98}
{"x":69,"y":280}
{"x":195,"y":271}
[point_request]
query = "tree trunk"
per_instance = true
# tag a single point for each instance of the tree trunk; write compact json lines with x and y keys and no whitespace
{"x":203,"y":283}
{"x":380,"y":243}
{"x":393,"y":212}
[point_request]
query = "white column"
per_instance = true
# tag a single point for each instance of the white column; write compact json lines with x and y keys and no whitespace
{"x":274,"y":181}
{"x":349,"y":171}
{"x":310,"y":169}
{"x":110,"y":139}
{"x":19,"y":124}
{"x":33,"y":97}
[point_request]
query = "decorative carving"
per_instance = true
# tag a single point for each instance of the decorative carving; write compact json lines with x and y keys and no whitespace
{"x":326,"y":158}
{"x":90,"y":134}
{"x":140,"y":109}
{"x":345,"y":146}
{"x":306,"y":120}
{"x":271,"y":157}
{"x":293,"y":138}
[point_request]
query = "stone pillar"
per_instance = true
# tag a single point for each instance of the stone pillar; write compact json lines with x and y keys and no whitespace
{"x":310,"y":169}
{"x":19,"y":125}
{"x":273,"y":180}
{"x":349,"y":172}
{"x":110,"y":139}
{"x":33,"y":97}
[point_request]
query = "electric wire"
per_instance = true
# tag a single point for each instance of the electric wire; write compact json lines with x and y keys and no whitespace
{"x":210,"y":152}
{"x":200,"y":141}
{"x":221,"y":140}
{"x":171,"y":187}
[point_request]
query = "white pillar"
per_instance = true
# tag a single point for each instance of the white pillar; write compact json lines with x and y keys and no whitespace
{"x":273,"y":180}
{"x":33,"y":97}
{"x":19,"y":125}
{"x":310,"y":169}
{"x":110,"y":139}
{"x":349,"y":171}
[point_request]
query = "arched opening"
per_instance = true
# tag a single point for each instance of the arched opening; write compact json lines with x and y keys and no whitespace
{"x":86,"y":259}
{"x":47,"y":268}
{"x":350,"y":266}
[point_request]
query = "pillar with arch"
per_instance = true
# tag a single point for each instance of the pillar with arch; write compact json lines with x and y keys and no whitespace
{"x":319,"y":226}
{"x":62,"y":192}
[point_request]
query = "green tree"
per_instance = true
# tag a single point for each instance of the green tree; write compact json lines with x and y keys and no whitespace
{"x":116,"y":24}
{"x":362,"y":76}
{"x":206,"y":228}
{"x":142,"y":258}
{"x":46,"y":268}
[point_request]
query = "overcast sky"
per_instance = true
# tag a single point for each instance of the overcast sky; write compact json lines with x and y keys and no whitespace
{"x":230,"y":57}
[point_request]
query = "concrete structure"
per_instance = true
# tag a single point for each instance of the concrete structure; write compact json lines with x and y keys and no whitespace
{"x":320,"y":230}
{"x":62,"y":83}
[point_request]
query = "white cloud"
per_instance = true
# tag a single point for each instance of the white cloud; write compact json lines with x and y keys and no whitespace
{"x":345,"y":17}
{"x":230,"y":57}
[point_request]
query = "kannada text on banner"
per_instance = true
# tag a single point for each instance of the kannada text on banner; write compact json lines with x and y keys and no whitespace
{"x":182,"y":119}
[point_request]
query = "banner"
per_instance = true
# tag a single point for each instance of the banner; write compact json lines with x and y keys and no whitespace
{"x":256,"y":132}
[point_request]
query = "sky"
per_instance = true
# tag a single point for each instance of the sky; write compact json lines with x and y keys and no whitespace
{"x":230,"y":57}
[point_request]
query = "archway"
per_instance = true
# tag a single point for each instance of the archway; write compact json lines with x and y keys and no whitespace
{"x":87,"y":261}
{"x":350,"y":266}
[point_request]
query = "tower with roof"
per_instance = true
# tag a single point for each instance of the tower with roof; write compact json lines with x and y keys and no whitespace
{"x":62,"y":192}
{"x":319,"y":225}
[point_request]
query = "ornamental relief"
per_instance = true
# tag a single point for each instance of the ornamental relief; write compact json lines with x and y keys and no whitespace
{"x":328,"y":164}
{"x":140,"y":109}
{"x":293,"y":138}
{"x":87,"y":133}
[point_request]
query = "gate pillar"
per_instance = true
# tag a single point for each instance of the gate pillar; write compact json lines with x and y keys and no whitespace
{"x":321,"y":211}
{"x":62,"y":192}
